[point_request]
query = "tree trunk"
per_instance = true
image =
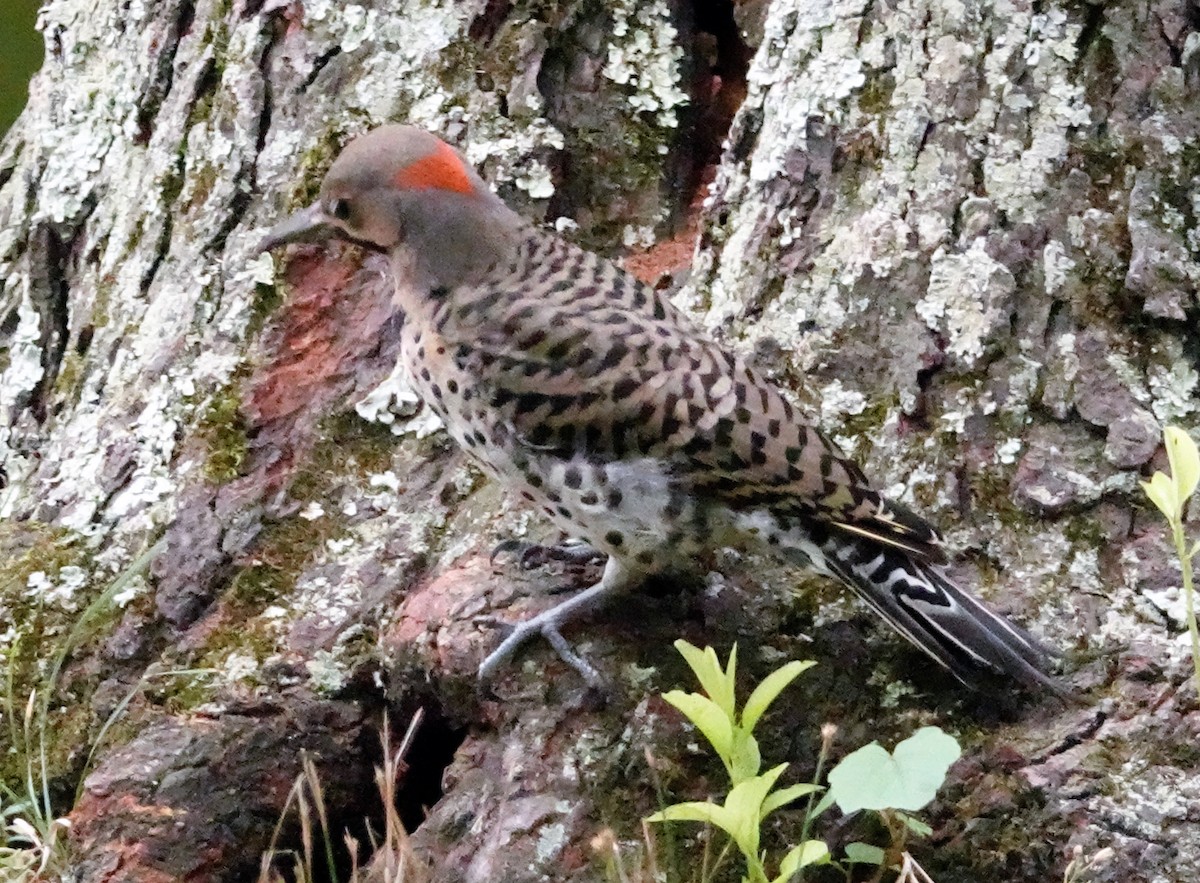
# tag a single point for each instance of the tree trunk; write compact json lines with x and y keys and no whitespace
{"x":963,"y":234}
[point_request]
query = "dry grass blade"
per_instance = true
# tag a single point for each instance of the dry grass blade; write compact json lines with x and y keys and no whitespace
{"x":392,"y":860}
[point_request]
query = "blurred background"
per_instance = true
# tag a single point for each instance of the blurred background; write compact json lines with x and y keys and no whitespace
{"x":20,"y":56}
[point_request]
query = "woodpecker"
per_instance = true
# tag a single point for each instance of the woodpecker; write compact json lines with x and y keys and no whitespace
{"x":590,"y":394}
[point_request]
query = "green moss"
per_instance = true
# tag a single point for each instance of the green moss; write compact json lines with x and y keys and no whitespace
{"x":1085,"y":532}
{"x":314,"y":163}
{"x":70,"y":376}
{"x":267,"y":299}
{"x":204,"y":180}
{"x":345,"y":438}
{"x":223,"y":430}
{"x":256,"y":587}
{"x":875,"y":96}
{"x":102,"y":302}
{"x":628,"y":153}
{"x":41,"y":636}
{"x":866,"y":425}
{"x":992,"y":490}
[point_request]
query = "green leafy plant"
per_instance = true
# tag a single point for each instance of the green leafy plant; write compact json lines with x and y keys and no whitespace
{"x":892,"y":784}
{"x":1170,"y":493}
{"x":753,"y":795}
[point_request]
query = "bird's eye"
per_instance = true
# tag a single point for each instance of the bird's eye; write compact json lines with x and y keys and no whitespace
{"x":340,"y":209}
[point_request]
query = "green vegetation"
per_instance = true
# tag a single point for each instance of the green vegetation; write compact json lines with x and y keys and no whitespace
{"x":20,"y":57}
{"x":891,"y":784}
{"x":1170,"y":493}
{"x":33,"y":844}
{"x":753,"y":795}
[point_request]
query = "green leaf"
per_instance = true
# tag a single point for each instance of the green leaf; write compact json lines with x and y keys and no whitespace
{"x":716,"y":683}
{"x":744,"y":806}
{"x":693,"y":811}
{"x":1195,"y":550}
{"x":914,"y":824}
{"x":1161,"y":491}
{"x":810,"y":852}
{"x":1185,"y":462}
{"x":871,"y":778}
{"x":784,"y":796}
{"x":864,"y":854}
{"x":708,"y":719}
{"x":745,"y":760}
{"x":770,"y":688}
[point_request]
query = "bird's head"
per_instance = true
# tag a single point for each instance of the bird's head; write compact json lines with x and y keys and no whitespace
{"x":401,"y":190}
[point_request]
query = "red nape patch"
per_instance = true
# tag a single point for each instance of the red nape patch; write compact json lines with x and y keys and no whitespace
{"x":441,"y":170}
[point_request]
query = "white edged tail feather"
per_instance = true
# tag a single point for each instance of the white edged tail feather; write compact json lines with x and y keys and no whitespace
{"x":920,"y":601}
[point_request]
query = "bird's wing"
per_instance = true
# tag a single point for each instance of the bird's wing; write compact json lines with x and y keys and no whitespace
{"x":615,"y":376}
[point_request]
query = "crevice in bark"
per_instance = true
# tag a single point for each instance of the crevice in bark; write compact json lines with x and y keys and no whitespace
{"x":318,"y":66}
{"x":487,"y":24}
{"x":159,"y":84}
{"x":721,"y":60}
{"x":48,"y":281}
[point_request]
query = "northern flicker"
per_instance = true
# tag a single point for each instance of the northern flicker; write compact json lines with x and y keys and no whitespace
{"x":584,"y":389}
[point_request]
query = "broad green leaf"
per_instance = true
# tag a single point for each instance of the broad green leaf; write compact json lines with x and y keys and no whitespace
{"x":692,"y":811}
{"x":1185,"y":461}
{"x":716,"y":683}
{"x":744,"y":806}
{"x":871,"y":778}
{"x":745,"y":761}
{"x":864,"y":854}
{"x":784,"y":796}
{"x":915,"y":825}
{"x":1161,"y":491}
{"x":770,"y":688}
{"x":810,"y":852}
{"x":707,"y":718}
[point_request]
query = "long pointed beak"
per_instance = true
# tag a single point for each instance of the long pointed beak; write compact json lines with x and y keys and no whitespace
{"x":306,"y":225}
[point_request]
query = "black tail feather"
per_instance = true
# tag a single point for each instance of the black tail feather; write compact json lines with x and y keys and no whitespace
{"x":920,"y":601}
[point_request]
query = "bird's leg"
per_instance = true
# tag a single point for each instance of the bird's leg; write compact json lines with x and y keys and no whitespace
{"x":548,"y":623}
{"x":533,"y":555}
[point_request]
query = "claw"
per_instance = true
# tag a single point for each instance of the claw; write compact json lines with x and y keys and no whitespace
{"x":548,"y":625}
{"x":505,"y":547}
{"x":532,"y":555}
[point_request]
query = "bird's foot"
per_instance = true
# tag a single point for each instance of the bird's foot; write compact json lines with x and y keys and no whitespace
{"x":532,"y":555}
{"x":547,"y":626}
{"x":549,"y":623}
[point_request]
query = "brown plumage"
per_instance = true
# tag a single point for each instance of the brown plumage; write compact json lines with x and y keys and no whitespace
{"x":586,"y":390}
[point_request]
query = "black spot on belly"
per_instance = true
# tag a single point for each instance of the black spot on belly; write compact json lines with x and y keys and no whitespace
{"x":589,"y":499}
{"x":452,"y":385}
{"x":573,"y":479}
{"x":564,"y":512}
{"x":614,"y":499}
{"x":614,"y":538}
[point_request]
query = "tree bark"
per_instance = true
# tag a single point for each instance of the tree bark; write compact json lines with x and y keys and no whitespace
{"x":964,"y":235}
